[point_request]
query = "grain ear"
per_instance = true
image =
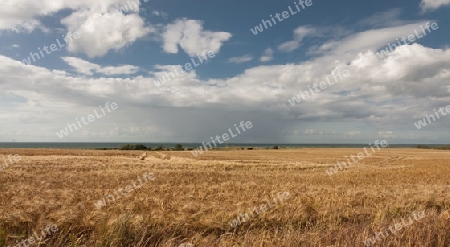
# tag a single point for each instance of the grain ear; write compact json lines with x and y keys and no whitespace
{"x":446,"y":215}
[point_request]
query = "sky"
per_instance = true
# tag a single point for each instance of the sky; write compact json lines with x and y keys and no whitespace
{"x":185,"y":71}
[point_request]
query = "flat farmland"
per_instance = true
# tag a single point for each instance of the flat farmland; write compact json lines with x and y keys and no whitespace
{"x":396,"y":197}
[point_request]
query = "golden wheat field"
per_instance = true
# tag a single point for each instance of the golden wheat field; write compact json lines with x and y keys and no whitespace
{"x":186,"y":201}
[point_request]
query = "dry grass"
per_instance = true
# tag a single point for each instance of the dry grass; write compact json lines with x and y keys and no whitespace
{"x":192,"y":200}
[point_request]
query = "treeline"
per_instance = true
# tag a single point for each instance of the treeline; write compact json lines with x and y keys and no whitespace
{"x":177,"y":147}
{"x":446,"y":147}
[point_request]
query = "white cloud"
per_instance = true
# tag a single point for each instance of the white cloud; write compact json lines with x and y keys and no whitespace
{"x":190,"y":36}
{"x":104,"y":25}
{"x":160,"y":13}
{"x":87,"y":68}
{"x":102,"y":32}
{"x":19,"y":15}
{"x":267,"y":55}
{"x":22,"y":15}
{"x":368,"y":40}
{"x":430,"y":5}
{"x":414,"y":72}
{"x":82,"y":66}
{"x":289,"y":46}
{"x":243,"y":59}
{"x":389,"y":93}
{"x":27,"y":26}
{"x":118,"y":70}
{"x":299,"y":34}
{"x":15,"y":46}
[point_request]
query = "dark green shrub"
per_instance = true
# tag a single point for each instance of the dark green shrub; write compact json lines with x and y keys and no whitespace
{"x":423,"y":147}
{"x":178,"y":147}
{"x":133,"y":147}
{"x":159,"y":148}
{"x":447,"y":147}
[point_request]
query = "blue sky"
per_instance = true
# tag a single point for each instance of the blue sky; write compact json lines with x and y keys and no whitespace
{"x":119,"y":55}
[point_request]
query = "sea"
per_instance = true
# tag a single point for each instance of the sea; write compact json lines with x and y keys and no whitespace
{"x":113,"y":145}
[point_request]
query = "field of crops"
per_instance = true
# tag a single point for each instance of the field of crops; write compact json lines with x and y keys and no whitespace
{"x":396,"y":197}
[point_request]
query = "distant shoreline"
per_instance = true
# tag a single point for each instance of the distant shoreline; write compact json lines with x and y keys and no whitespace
{"x":115,"y":145}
